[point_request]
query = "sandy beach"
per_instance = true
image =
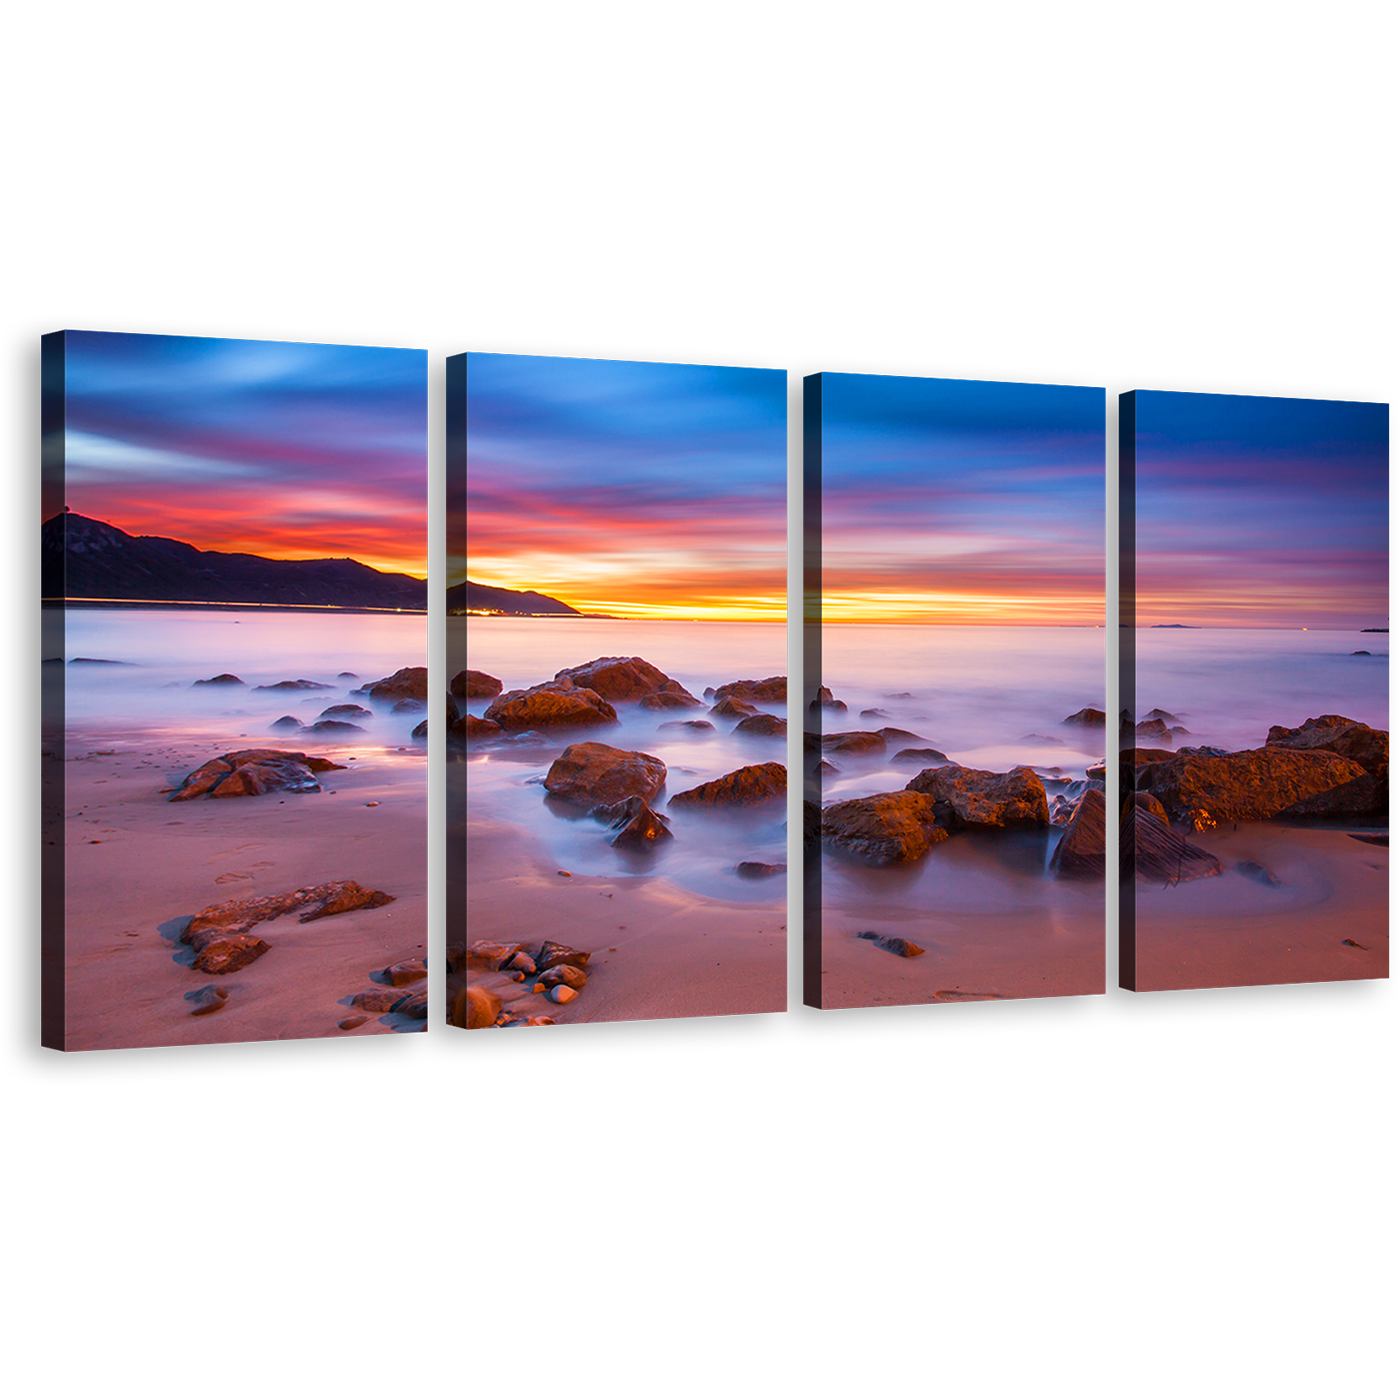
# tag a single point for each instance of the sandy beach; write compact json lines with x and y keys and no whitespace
{"x":656,"y":950}
{"x":138,"y":866}
{"x":1233,"y":931}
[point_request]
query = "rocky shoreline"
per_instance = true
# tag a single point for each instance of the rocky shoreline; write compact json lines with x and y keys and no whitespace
{"x":621,"y":791}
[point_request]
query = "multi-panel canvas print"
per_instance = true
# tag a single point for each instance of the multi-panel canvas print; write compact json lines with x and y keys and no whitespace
{"x":617,"y":640}
{"x":235,"y":642}
{"x":954,"y":690}
{"x":1254,"y":681}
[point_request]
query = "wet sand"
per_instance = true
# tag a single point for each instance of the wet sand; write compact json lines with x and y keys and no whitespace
{"x":657,"y":950}
{"x":138,"y":866}
{"x":987,"y":933}
{"x":1233,"y":931}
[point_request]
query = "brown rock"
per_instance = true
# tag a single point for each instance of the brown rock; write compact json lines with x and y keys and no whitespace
{"x":1366,"y":796}
{"x":227,"y":678}
{"x":565,"y":974}
{"x":668,"y":700}
{"x":346,"y":712}
{"x":928,"y":758}
{"x":378,"y":999}
{"x":883,"y":830}
{"x":973,"y":797}
{"x":414,"y":1005}
{"x":473,"y":727}
{"x":487,"y":952}
{"x":475,"y":1008}
{"x":854,"y":742}
{"x":758,"y":870}
{"x":1148,"y":803}
{"x":622,"y":678}
{"x":634,"y":823}
{"x":407,"y":683}
{"x":206,"y":1000}
{"x":351,"y":1023}
{"x":553,"y":954}
{"x":554,"y":704}
{"x":250,"y":772}
{"x":1150,"y":847}
{"x":745,"y":787}
{"x":283,"y":686}
{"x":474,"y":685}
{"x":561,"y":994}
{"x":730,"y":708}
{"x":228,"y":923}
{"x":400,"y":974}
{"x":770,"y":691}
{"x":331,"y":727}
{"x":900,"y":947}
{"x":827,"y":701}
{"x":1155,"y":732}
{"x":1337,"y":734}
{"x":1252,"y":785}
{"x":1080,"y":852}
{"x":693,"y":726}
{"x":762,"y":727}
{"x":1087,"y":718}
{"x":220,"y":953}
{"x":589,"y":774}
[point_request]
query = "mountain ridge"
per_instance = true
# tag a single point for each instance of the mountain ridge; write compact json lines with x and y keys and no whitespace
{"x":483,"y":597}
{"x":87,"y":558}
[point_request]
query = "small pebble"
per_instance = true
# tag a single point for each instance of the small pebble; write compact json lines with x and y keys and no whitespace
{"x":566,"y":872}
{"x":371,"y":804}
{"x":562,"y":994}
{"x":350,"y":1022}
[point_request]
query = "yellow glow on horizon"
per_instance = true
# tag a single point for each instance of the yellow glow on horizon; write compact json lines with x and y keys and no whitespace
{"x":967,"y":609}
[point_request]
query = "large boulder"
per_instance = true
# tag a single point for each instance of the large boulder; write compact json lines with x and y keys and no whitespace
{"x":974,"y":798}
{"x":770,"y":691}
{"x":1336,"y":734}
{"x":1080,"y":853}
{"x":622,"y":678}
{"x":745,"y":787}
{"x":555,"y":704}
{"x":886,"y":829}
{"x":474,"y":685}
{"x":1249,"y":786}
{"x":252,"y":772}
{"x":1366,"y":796}
{"x":1147,"y":846}
{"x":589,"y":775}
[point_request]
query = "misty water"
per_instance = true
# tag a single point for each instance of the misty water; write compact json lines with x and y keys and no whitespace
{"x":150,"y":693}
{"x":990,"y":698}
{"x":1229,"y":685}
{"x":504,"y":779}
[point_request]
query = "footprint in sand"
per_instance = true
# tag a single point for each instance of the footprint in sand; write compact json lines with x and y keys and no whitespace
{"x":229,"y":876}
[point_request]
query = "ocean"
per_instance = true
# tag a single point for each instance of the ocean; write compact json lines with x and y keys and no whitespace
{"x":164,"y":651}
{"x":1229,"y":685}
{"x":504,"y":780}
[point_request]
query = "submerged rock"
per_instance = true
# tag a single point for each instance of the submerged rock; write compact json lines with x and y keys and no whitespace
{"x":854,"y":741}
{"x":345,"y":712}
{"x":634,"y":823}
{"x":227,"y":678}
{"x":827,"y":701}
{"x":332,"y":727}
{"x":928,"y":758}
{"x":589,"y":774}
{"x":285,"y":723}
{"x":1252,"y":870}
{"x":1087,"y":718}
{"x":762,"y":727}
{"x":1155,"y":731}
{"x":693,"y":726}
{"x":758,"y":870}
{"x":293,"y":685}
{"x":730,"y":708}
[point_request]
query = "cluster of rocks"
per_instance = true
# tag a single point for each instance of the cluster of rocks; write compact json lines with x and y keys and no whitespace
{"x":254,"y":772}
{"x":621,"y":788}
{"x":552,"y":970}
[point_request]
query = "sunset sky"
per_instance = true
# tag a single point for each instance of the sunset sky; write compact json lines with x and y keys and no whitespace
{"x":961,"y":501}
{"x":252,"y":446}
{"x":638,"y":490}
{"x":1258,"y":512}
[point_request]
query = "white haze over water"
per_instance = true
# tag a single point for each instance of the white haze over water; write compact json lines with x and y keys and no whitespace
{"x":504,"y":779}
{"x":1229,"y":685}
{"x":166,"y":650}
{"x":988,"y":697}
